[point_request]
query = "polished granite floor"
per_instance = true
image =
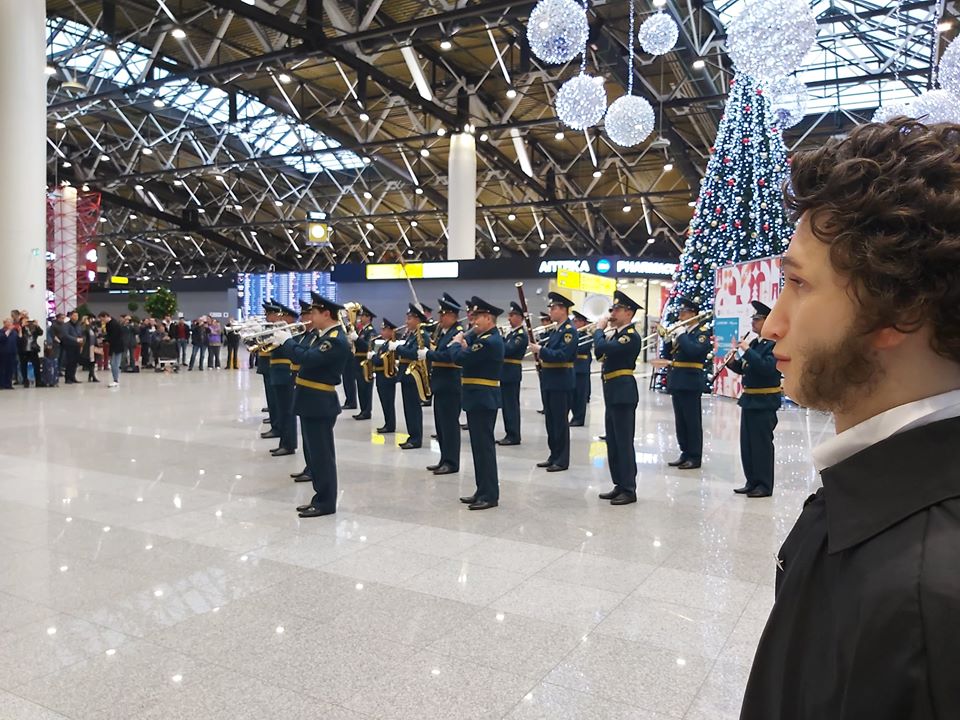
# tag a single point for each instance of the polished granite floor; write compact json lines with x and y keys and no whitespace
{"x":152,"y":566}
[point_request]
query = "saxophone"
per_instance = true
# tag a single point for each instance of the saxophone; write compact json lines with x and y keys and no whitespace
{"x":420,"y":372}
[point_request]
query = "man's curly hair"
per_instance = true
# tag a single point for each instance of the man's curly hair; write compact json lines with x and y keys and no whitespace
{"x":886,"y":199}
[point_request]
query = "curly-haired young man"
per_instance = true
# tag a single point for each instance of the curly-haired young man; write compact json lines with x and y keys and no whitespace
{"x":865,"y":624}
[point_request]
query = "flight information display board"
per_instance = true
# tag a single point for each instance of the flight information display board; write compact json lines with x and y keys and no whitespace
{"x":254,"y":289}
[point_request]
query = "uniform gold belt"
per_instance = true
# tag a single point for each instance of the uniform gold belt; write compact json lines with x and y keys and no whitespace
{"x":512,"y":361}
{"x":762,"y":391}
{"x":281,"y":361}
{"x":583,"y":357}
{"x":617,"y":373}
{"x":556,"y":366}
{"x":315,"y":385}
{"x":404,"y":361}
{"x":360,"y":354}
{"x":697,"y":366}
{"x":481,"y":381}
{"x":295,"y":368}
{"x":452,"y":366}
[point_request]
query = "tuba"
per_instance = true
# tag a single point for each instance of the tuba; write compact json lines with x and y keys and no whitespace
{"x":420,"y":372}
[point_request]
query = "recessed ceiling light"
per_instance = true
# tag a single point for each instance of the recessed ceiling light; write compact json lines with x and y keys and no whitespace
{"x":367,"y":195}
{"x":147,"y":151}
{"x":651,"y":241}
{"x":668,"y":167}
{"x":441,"y":131}
{"x":369,"y":253}
{"x":178,"y":183}
{"x":424,"y":152}
{"x":364,"y":117}
{"x":558,"y":135}
{"x":278,"y":203}
{"x":238,"y":207}
{"x":511,"y":217}
{"x":284,"y":78}
{"x":414,"y":223}
{"x":445,"y":44}
{"x":511,"y":93}
{"x":597,"y":173}
{"x":543,"y":246}
{"x":67,"y":163}
{"x":409,"y":252}
{"x":201,"y":211}
{"x":138,"y":187}
{"x":699,"y":64}
{"x":496,"y":248}
{"x":369,"y":226}
{"x":157,"y":103}
{"x":131,"y":217}
{"x":178,"y":33}
{"x":104,"y":158}
{"x":945,"y":25}
{"x":418,"y":191}
{"x":60,"y":126}
{"x":484,"y":137}
{"x":626,"y":208}
{"x":367,"y":161}
{"x":50,"y":70}
{"x":692,"y":203}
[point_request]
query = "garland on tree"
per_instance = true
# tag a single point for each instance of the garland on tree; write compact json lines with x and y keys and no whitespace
{"x":739,"y":215}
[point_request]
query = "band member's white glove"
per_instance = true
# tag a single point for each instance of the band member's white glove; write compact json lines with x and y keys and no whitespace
{"x":603,"y":322}
{"x":279,"y":337}
{"x":352,"y":337}
{"x":422,"y":354}
{"x":371,"y":355}
{"x":458,"y":338}
{"x":534,"y":347}
{"x":392,"y":345}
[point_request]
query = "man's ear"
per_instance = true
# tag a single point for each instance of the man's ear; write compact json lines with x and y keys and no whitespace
{"x":888,"y":338}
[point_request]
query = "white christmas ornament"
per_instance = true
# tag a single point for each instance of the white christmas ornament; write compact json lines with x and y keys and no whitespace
{"x":658,"y":34}
{"x":936,"y":106}
{"x":949,"y":70}
{"x":788,"y":101}
{"x":581,"y":102}
{"x":629,"y":120}
{"x":769,"y":40}
{"x":557,"y":30}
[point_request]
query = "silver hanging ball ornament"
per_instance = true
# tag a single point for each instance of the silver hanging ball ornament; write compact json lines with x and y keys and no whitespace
{"x":557,"y":30}
{"x":935,"y":106}
{"x":630,"y":120}
{"x":949,"y":71}
{"x":769,"y":40}
{"x":788,"y":101}
{"x":658,"y":34}
{"x":581,"y":102}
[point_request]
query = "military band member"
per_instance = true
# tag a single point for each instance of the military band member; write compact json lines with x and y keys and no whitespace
{"x":349,"y":379}
{"x":544,"y":321}
{"x":362,"y":344}
{"x":305,"y":339}
{"x":556,"y":378}
{"x":514,"y":348}
{"x":617,"y":344}
{"x":407,"y":352}
{"x":430,"y":326}
{"x":481,"y":356}
{"x":758,"y":403}
{"x":581,"y":371}
{"x":445,"y":385}
{"x":281,"y":383}
{"x":688,"y":348}
{"x":271,"y":312}
{"x":386,"y":386}
{"x":321,"y":364}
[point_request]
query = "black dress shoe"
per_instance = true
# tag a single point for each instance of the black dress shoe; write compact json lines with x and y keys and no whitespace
{"x":482,"y":505}
{"x":301,"y":508}
{"x":758,"y":493}
{"x":610,"y":495}
{"x":409,"y":446}
{"x":446,"y":470}
{"x":544,"y":464}
{"x":303,"y":478}
{"x":624,"y":498}
{"x":296,"y":475}
{"x":469,"y":499}
{"x":433,"y":437}
{"x":556,"y":468}
{"x":541,"y":412}
{"x":464,"y":426}
{"x":264,"y":409}
{"x":505,"y":442}
{"x":431,"y":468}
{"x":315,"y":512}
{"x":345,"y":406}
{"x":741,"y":490}
{"x":386,"y":430}
{"x":280,"y":452}
{"x":678,"y":462}
{"x":688,"y":465}
{"x":362,"y":416}
{"x":269,"y":434}
{"x":576,"y":424}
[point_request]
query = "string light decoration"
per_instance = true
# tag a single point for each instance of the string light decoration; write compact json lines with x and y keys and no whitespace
{"x":630,"y":119}
{"x":658,"y":34}
{"x":935,"y":106}
{"x":788,"y":100}
{"x":739,"y":215}
{"x":769,"y":40}
{"x":582,"y":101}
{"x":557,"y":30}
{"x":949,"y":71}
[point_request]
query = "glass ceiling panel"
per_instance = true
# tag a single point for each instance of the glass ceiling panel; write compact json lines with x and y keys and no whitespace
{"x":858,"y":47}
{"x":88,"y":51}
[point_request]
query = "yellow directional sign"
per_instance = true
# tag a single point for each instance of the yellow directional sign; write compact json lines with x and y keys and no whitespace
{"x":585,"y":282}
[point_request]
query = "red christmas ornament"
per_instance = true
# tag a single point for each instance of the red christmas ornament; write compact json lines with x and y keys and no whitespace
{"x":723,"y":227}
{"x":730,"y":181}
{"x":746,"y":141}
{"x":727,"y":160}
{"x":759,"y":91}
{"x":712,"y":149}
{"x":746,"y":108}
{"x":719,"y":209}
{"x":696,"y":266}
{"x":737,"y":223}
{"x":761,"y":182}
{"x":766,"y":227}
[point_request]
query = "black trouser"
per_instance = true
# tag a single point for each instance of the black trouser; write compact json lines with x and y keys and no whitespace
{"x":756,"y":448}
{"x":620,"y":423}
{"x":412,"y":410}
{"x":145,"y":354}
{"x":446,"y":417}
{"x":364,"y":391}
{"x":286,"y":421}
{"x":581,"y":394}
{"x":271,"y":403}
{"x":29,"y":358}
{"x":233,"y":362}
{"x":510,"y":394}
{"x":322,"y":461}
{"x":689,"y":420}
{"x":8,"y":369}
{"x":557,"y":407}
{"x":387,"y":392}
{"x":72,"y":360}
{"x":350,"y":384}
{"x":480,"y":424}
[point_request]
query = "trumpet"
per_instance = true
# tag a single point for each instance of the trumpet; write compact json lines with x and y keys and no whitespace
{"x":261,"y":341}
{"x":540,"y":330}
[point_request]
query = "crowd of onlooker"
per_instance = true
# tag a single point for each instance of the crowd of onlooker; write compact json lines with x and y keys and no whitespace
{"x":40,"y":353}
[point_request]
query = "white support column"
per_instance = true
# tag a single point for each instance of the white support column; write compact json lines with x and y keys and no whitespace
{"x":23,"y":123}
{"x":462,"y":198}
{"x":65,"y":250}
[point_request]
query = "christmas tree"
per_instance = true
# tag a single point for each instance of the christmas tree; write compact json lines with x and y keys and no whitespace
{"x":739,"y":215}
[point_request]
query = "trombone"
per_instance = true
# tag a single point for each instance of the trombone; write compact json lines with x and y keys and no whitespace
{"x":260,"y":340}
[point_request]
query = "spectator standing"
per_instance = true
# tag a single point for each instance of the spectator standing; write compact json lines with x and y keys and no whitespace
{"x":215,"y":340}
{"x":198,"y":336}
{"x":180,"y":332}
{"x":9,"y":340}
{"x":91,"y":342}
{"x":29,"y":348}
{"x":56,"y":331}
{"x":233,"y":347}
{"x":130,"y":341}
{"x":113,"y":334}
{"x":17,"y":318}
{"x":147,"y":332}
{"x":71,"y":339}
